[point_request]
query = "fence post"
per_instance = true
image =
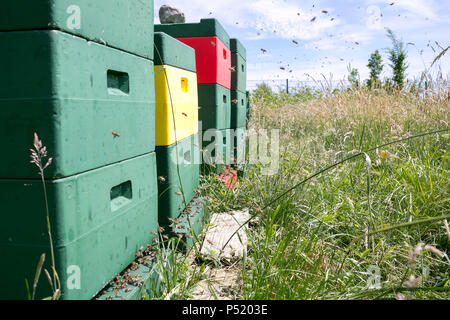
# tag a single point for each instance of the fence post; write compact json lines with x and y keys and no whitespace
{"x":287,"y":85}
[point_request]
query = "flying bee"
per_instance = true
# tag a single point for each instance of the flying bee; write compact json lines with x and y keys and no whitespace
{"x":184,"y":114}
{"x":232,"y":69}
{"x":115,"y":134}
{"x":161,"y":178}
{"x":235,"y":101}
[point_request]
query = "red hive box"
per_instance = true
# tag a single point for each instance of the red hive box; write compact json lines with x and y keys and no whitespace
{"x":212,"y":48}
{"x":213,"y":60}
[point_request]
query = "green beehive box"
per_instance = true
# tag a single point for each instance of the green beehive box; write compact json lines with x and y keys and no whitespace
{"x":205,"y":28}
{"x":238,"y":61}
{"x":238,"y":109}
{"x":125,"y":25}
{"x":217,"y":152}
{"x":215,"y":107}
{"x":90,"y":104}
{"x":178,"y":173}
{"x":191,"y":222}
{"x":189,"y":227}
{"x":248,"y":107}
{"x":170,"y":51}
{"x":239,"y":146}
{"x":99,"y":220}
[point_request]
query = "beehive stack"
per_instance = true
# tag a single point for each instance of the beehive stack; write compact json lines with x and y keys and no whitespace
{"x":81,"y":77}
{"x":213,"y":58}
{"x":177,"y":138}
{"x":238,"y":100}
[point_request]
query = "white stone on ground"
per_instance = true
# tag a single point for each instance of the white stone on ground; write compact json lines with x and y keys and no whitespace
{"x":221,"y":227}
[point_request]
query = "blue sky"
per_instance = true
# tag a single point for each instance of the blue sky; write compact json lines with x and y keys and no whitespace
{"x":343,"y":32}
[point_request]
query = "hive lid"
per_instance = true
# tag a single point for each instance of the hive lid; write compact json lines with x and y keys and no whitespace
{"x":205,"y":28}
{"x":170,"y":51}
{"x":237,"y":47}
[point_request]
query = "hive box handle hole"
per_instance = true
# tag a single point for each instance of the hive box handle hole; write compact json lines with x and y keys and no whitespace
{"x":118,"y":83}
{"x":121,"y":195}
{"x":224,"y":54}
{"x":224,"y":99}
{"x":187,"y":156}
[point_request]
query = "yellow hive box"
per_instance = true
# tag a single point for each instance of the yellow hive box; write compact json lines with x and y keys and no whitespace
{"x":176,"y":101}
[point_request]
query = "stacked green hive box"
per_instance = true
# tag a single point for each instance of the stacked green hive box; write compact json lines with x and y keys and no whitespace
{"x":239,"y":147}
{"x":92,"y":105}
{"x":239,"y":65}
{"x":124,"y":25}
{"x":178,"y":159}
{"x":238,"y":109}
{"x":170,"y":51}
{"x":238,"y":84}
{"x":239,"y":100}
{"x":80,"y":75}
{"x":249,"y":109}
{"x":208,"y":27}
{"x":99,"y":220}
{"x":178,"y":174}
{"x":217,"y":150}
{"x":217,"y":98}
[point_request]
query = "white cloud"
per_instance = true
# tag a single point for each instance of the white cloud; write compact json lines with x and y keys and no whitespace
{"x":286,"y":18}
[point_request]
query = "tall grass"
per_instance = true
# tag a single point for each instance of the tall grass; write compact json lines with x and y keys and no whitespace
{"x":304,"y":245}
{"x":38,"y":155}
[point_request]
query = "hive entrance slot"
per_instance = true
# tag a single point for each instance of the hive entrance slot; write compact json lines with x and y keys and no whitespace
{"x":184,"y":85}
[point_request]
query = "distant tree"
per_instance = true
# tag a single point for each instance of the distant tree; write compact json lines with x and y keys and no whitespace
{"x":376,"y":66}
{"x":353,"y":77}
{"x":397,"y":56}
{"x":264,"y":89}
